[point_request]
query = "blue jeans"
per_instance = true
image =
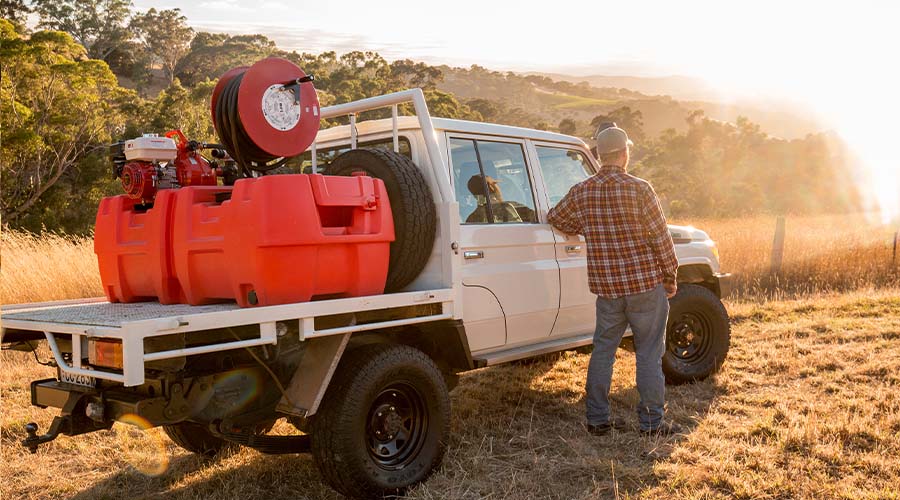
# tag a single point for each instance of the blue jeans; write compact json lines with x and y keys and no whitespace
{"x":647,"y":314}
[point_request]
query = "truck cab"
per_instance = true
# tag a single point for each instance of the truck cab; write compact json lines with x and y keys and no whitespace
{"x":524,"y":283}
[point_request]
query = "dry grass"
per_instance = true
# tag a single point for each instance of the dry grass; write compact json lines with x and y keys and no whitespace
{"x":821,"y":254}
{"x":47,"y":267}
{"x":807,"y":406}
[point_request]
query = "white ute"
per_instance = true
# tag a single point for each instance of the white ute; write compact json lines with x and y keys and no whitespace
{"x":367,"y":378}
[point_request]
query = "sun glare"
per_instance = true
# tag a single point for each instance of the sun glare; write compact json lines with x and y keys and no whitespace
{"x":836,"y":67}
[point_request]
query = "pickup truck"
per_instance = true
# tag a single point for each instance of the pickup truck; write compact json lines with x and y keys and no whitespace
{"x":366,"y":379}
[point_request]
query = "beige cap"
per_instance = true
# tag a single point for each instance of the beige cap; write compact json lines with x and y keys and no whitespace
{"x":611,"y":139}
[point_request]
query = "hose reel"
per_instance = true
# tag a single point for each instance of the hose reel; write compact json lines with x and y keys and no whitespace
{"x":265,"y":114}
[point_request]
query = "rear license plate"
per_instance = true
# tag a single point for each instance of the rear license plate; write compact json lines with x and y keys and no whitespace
{"x":77,"y":379}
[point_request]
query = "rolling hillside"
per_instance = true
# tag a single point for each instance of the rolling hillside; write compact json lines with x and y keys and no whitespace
{"x":665,"y":102}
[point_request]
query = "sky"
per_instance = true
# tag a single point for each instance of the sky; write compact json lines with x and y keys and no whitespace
{"x":839,"y":59}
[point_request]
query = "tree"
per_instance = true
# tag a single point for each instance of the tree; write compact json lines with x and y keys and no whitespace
{"x":98,"y":25}
{"x":445,"y":105}
{"x":567,"y":126}
{"x":212,"y":54}
{"x":631,"y":121}
{"x":407,"y":73}
{"x":187,"y":109}
{"x":16,"y":12}
{"x":492,"y":111}
{"x":56,"y":107}
{"x":489,"y":110}
{"x":164,"y":36}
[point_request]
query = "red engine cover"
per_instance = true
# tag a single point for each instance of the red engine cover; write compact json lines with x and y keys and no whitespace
{"x":139,"y":180}
{"x":191,"y":168}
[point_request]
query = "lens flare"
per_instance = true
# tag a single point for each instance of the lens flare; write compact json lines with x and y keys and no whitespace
{"x":143,"y":446}
{"x":879,"y":178}
{"x":237,"y":388}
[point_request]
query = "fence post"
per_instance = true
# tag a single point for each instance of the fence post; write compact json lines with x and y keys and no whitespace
{"x":894,"y":257}
{"x":778,"y":246}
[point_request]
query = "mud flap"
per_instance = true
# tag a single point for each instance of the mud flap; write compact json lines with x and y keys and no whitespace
{"x":307,"y":387}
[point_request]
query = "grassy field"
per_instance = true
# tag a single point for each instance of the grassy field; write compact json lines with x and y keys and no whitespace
{"x":806,"y":406}
{"x":48,"y":267}
{"x":821,"y":254}
{"x":565,"y":101}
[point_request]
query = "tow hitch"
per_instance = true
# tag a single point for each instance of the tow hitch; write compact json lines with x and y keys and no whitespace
{"x":72,"y":421}
{"x":33,"y":440}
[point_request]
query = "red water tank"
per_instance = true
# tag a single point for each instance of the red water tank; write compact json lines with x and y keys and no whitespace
{"x":132,"y":246}
{"x":282,"y":239}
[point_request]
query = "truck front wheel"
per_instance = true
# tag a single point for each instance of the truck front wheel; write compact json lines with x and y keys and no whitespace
{"x":383,"y":423}
{"x":698,"y":335}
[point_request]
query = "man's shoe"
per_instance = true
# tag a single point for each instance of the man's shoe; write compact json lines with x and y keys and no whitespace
{"x":664,"y":429}
{"x":603,"y":429}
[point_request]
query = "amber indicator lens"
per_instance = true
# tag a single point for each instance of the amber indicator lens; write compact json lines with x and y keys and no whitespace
{"x":105,"y":352}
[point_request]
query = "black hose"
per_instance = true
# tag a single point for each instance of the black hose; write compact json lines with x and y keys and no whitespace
{"x":234,"y":137}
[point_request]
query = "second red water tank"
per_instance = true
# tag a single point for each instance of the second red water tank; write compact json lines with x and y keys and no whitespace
{"x":282,"y":239}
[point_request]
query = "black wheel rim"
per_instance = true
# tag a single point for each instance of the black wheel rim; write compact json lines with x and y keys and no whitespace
{"x":689,"y":336}
{"x":396,"y":426}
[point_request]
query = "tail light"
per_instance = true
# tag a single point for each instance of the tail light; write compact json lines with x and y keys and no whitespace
{"x":106,"y":353}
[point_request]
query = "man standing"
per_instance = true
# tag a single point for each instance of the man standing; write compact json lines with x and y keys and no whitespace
{"x":631,"y":268}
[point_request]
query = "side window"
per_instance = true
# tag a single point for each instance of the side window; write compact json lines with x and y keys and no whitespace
{"x":562,"y":169}
{"x":465,"y":166}
{"x":492,"y":183}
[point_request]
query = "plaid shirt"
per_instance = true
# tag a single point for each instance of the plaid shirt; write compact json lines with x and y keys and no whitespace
{"x":629,"y":248}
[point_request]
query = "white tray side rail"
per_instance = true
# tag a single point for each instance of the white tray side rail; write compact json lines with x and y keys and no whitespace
{"x":133,"y":333}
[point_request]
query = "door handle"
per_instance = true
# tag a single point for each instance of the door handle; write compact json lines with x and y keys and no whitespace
{"x":473,"y":254}
{"x":573,"y":248}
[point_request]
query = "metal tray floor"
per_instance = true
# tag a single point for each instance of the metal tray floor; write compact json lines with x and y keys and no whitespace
{"x":93,"y":312}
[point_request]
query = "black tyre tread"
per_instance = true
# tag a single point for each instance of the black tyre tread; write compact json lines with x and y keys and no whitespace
{"x":345,"y":398}
{"x":197,"y":439}
{"x":412,"y":205}
{"x":721,"y":342}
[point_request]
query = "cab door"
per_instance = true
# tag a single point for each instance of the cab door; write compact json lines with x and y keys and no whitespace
{"x":509,"y":257}
{"x":561,"y":167}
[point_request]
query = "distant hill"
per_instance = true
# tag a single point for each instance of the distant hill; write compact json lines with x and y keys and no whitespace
{"x":778,"y":119}
{"x":678,"y":87}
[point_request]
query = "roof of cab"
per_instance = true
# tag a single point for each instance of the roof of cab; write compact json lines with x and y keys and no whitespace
{"x":446,"y":124}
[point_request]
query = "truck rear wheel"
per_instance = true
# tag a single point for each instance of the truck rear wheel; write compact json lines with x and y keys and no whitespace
{"x":196,"y":438}
{"x":415,"y":217}
{"x":698,"y":335}
{"x":383,"y":423}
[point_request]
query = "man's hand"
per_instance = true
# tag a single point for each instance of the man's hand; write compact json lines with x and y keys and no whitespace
{"x":671,"y":288}
{"x":494,"y":188}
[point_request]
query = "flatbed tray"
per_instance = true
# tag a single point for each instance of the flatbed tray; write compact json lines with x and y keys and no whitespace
{"x":133,"y":322}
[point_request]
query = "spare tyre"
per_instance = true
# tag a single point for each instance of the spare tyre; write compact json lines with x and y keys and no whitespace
{"x":412,"y":205}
